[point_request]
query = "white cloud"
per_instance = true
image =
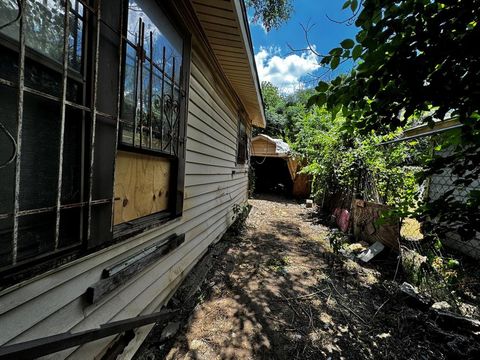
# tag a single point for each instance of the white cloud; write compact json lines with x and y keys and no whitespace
{"x":286,"y":73}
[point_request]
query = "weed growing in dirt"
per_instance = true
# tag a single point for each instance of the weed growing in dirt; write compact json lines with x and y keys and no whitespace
{"x":240,"y":214}
{"x":434,"y":273}
{"x":278,"y":264}
{"x":336,"y":240}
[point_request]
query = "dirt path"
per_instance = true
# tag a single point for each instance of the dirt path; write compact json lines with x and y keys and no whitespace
{"x":278,"y":292}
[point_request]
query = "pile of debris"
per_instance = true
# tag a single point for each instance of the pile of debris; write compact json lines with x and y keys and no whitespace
{"x":449,"y":321}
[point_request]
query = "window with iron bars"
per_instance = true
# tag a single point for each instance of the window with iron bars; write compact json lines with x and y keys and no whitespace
{"x":73,"y":89}
{"x":152,"y":81}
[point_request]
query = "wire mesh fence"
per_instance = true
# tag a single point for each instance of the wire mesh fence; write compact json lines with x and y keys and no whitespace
{"x":429,"y":190}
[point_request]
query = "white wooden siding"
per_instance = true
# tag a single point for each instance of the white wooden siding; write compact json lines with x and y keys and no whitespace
{"x":54,"y":302}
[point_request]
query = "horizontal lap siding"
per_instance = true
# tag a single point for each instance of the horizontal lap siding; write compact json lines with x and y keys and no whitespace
{"x":54,"y":303}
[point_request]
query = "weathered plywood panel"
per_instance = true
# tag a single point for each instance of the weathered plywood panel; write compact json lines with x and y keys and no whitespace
{"x":141,"y":186}
{"x":262,"y":147}
{"x":301,"y":186}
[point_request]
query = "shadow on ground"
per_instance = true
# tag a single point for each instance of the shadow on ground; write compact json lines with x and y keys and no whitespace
{"x":276,"y":291}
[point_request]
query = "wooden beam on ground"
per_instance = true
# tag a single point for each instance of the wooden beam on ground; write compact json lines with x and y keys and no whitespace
{"x":51,"y":344}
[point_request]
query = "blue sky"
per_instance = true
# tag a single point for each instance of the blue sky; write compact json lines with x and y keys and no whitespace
{"x":293,"y":70}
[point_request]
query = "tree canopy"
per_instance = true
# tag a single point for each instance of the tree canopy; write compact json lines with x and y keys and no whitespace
{"x":414,"y":56}
{"x":283,"y":112}
{"x":415,"y":59}
{"x":270,"y":13}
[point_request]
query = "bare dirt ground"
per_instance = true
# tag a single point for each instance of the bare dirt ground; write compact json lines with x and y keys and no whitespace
{"x":276,"y":291}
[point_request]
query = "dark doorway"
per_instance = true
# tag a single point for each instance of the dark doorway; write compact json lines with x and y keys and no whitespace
{"x":272,"y":175}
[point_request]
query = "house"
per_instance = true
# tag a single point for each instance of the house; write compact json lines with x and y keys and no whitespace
{"x":276,"y":168}
{"x":125,"y":131}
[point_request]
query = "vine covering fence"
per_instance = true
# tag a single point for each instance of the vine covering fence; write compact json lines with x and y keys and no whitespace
{"x":402,"y":186}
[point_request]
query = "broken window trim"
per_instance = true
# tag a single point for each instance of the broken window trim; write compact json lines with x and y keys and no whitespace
{"x":121,"y":272}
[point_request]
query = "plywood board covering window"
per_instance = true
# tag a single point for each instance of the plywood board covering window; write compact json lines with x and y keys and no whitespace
{"x":141,"y":186}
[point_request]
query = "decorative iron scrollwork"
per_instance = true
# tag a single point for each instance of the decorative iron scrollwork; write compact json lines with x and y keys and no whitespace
{"x":171,"y":110}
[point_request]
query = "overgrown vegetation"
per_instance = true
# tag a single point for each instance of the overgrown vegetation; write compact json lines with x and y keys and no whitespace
{"x":337,"y":159}
{"x":415,"y":59}
{"x":239,"y":217}
{"x":414,"y":62}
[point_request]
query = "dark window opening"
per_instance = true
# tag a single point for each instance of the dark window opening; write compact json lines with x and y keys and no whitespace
{"x":242,"y":149}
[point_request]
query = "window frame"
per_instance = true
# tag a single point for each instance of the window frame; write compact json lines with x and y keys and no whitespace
{"x":177,"y":170}
{"x":27,"y":268}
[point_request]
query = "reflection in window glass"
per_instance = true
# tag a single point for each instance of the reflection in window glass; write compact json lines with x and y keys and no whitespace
{"x":44,"y":28}
{"x":153,"y":67}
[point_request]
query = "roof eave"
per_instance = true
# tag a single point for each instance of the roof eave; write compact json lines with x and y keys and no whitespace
{"x":227,"y":35}
{"x":241,"y":11}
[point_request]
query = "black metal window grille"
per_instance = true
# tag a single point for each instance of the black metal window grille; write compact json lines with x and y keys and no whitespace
{"x":152,"y":92}
{"x":42,"y":86}
{"x":44,"y":28}
{"x":60,"y":124}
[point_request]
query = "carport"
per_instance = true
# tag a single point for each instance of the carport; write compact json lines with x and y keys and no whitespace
{"x":276,"y":168}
